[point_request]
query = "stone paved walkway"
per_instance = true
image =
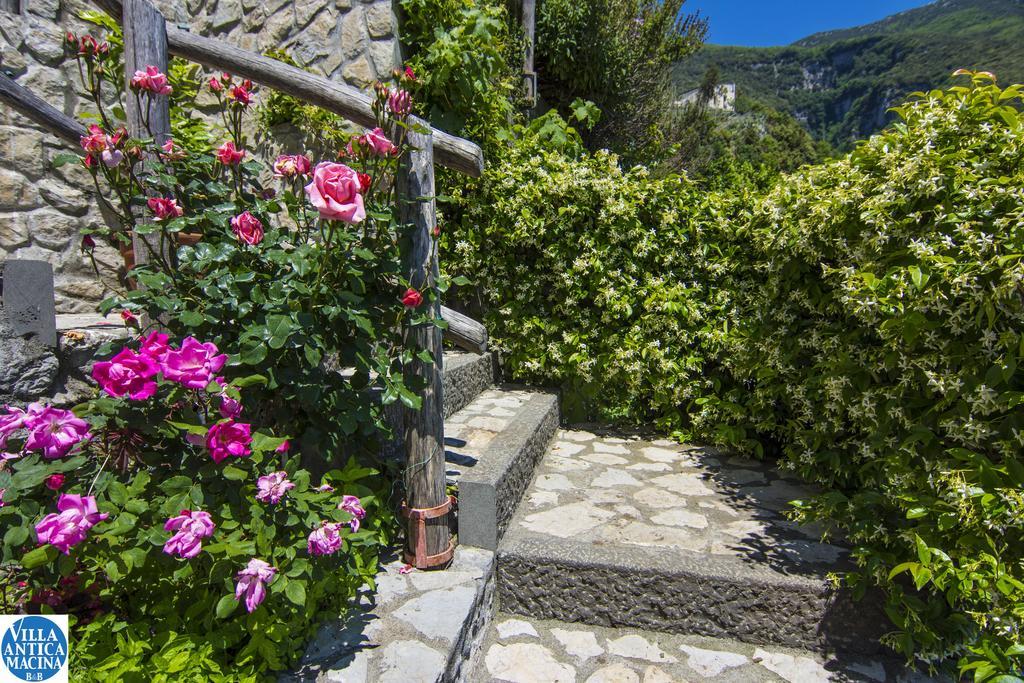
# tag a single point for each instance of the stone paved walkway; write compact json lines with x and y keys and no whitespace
{"x":625,"y":490}
{"x":530,"y":651}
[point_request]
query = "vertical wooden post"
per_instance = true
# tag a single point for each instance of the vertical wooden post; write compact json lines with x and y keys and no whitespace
{"x":529,"y":19}
{"x":145,"y":44}
{"x":428,"y":539}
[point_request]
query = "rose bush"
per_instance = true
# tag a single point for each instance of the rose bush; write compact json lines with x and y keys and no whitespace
{"x":222,"y":491}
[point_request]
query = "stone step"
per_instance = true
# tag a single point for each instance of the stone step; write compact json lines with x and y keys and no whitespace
{"x":492,"y":446}
{"x":465,"y":376}
{"x":530,"y":650}
{"x":618,"y":531}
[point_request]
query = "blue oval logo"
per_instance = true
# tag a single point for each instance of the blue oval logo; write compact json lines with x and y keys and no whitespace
{"x":34,"y":648}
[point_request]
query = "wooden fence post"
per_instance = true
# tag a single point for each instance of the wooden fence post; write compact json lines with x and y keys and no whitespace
{"x":145,"y":44}
{"x":528,"y":18}
{"x":428,"y":539}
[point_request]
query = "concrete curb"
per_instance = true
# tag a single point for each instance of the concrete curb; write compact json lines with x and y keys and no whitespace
{"x":490,"y":491}
{"x":681,"y":592}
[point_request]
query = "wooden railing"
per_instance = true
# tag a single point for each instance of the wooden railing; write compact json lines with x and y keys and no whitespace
{"x":148,"y":41}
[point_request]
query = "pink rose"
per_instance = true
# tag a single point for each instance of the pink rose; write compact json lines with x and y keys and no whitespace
{"x":272,"y":487}
{"x":325,"y":540}
{"x":334,"y":191}
{"x":68,"y":527}
{"x":191,"y":528}
{"x":151,"y":80}
{"x":229,"y":155}
{"x":215,"y":85}
{"x":127,"y":373}
{"x":252,"y":583}
{"x":229,"y":438}
{"x":290,"y":165}
{"x":247,"y":228}
{"x":172,"y":151}
{"x":194,"y":364}
{"x":230,"y":407}
{"x":54,"y":481}
{"x":242,"y":94}
{"x":96,"y":140}
{"x":283,"y":448}
{"x":154,"y":345}
{"x":400,"y":103}
{"x":164,"y":208}
{"x":53,"y":431}
{"x":412,"y":298}
{"x":353,"y":506}
{"x":380,"y":143}
{"x":10,"y":422}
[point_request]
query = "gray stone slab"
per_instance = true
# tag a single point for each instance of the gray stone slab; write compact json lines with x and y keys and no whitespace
{"x":466,"y":375}
{"x":490,"y":491}
{"x":28,"y":304}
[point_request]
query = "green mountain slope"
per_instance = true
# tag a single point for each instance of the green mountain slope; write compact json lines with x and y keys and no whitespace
{"x":841,"y":83}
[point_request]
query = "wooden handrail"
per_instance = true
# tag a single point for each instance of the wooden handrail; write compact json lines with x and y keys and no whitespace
{"x":451,"y":151}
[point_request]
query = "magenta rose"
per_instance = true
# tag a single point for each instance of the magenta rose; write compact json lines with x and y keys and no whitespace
{"x":252,"y":583}
{"x":53,"y":431}
{"x":247,"y":228}
{"x":154,"y":345}
{"x":190,"y":527}
{"x":325,"y":539}
{"x":68,"y":527}
{"x":380,"y":143}
{"x":127,"y":374}
{"x":194,"y":365}
{"x":229,"y":438}
{"x":334,"y":191}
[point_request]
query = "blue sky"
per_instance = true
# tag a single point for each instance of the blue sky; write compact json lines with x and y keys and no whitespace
{"x":780,"y":22}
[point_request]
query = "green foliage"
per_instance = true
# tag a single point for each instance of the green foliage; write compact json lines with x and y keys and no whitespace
{"x":862,"y":321}
{"x":617,"y":54}
{"x":879,"y":347}
{"x":466,"y":57}
{"x":580,"y":266}
{"x":843,"y":82}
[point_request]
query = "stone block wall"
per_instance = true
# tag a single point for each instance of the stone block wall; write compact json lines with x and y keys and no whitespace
{"x":43,"y":210}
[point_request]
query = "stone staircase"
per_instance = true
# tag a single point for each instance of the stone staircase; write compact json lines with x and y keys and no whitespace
{"x":586,"y":555}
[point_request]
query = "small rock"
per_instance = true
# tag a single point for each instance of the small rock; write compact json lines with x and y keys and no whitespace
{"x":793,"y":669}
{"x":612,"y":477}
{"x":409,"y":661}
{"x":638,"y":647}
{"x":566,"y":448}
{"x":681,"y":518}
{"x":568,"y":520}
{"x":580,"y":644}
{"x":578,"y":436}
{"x":510,"y":628}
{"x":654,"y":674}
{"x":616,"y":673}
{"x":605,"y":447}
{"x":661,"y":454}
{"x":527,"y":663}
{"x":684,"y":484}
{"x":553,"y":482}
{"x":604,"y":459}
{"x":710,"y":663}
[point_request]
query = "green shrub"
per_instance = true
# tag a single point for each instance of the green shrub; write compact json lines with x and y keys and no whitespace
{"x":879,"y":347}
{"x":589,"y":275}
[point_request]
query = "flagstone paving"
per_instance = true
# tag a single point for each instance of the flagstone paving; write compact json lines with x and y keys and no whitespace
{"x":522,"y":650}
{"x":607,"y":489}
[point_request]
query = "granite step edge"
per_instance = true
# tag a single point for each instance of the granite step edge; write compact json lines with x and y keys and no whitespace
{"x":490,"y":492}
{"x":679,"y":591}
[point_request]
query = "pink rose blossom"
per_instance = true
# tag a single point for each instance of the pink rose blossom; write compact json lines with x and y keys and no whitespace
{"x":290,"y":165}
{"x":54,"y":482}
{"x":272,"y":487}
{"x":334,"y":191}
{"x":96,"y":141}
{"x":10,"y":422}
{"x":354,"y":507}
{"x":194,"y":365}
{"x":172,"y":151}
{"x":191,"y":528}
{"x":247,"y":228}
{"x":400,"y":103}
{"x":283,"y":448}
{"x":151,"y":80}
{"x":54,"y":431}
{"x":325,"y":539}
{"x":230,"y":407}
{"x":229,"y":155}
{"x":215,"y":84}
{"x":164,"y":207}
{"x":154,"y":345}
{"x":242,"y":94}
{"x":229,"y":438}
{"x":251,"y":583}
{"x":405,"y":569}
{"x":127,"y":374}
{"x":325,"y":488}
{"x":2,"y":492}
{"x":68,"y":527}
{"x":380,"y":143}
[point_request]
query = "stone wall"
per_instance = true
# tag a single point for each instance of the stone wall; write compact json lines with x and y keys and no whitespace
{"x":43,"y":210}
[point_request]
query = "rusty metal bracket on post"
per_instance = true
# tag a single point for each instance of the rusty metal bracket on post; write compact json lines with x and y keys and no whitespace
{"x":418,"y":536}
